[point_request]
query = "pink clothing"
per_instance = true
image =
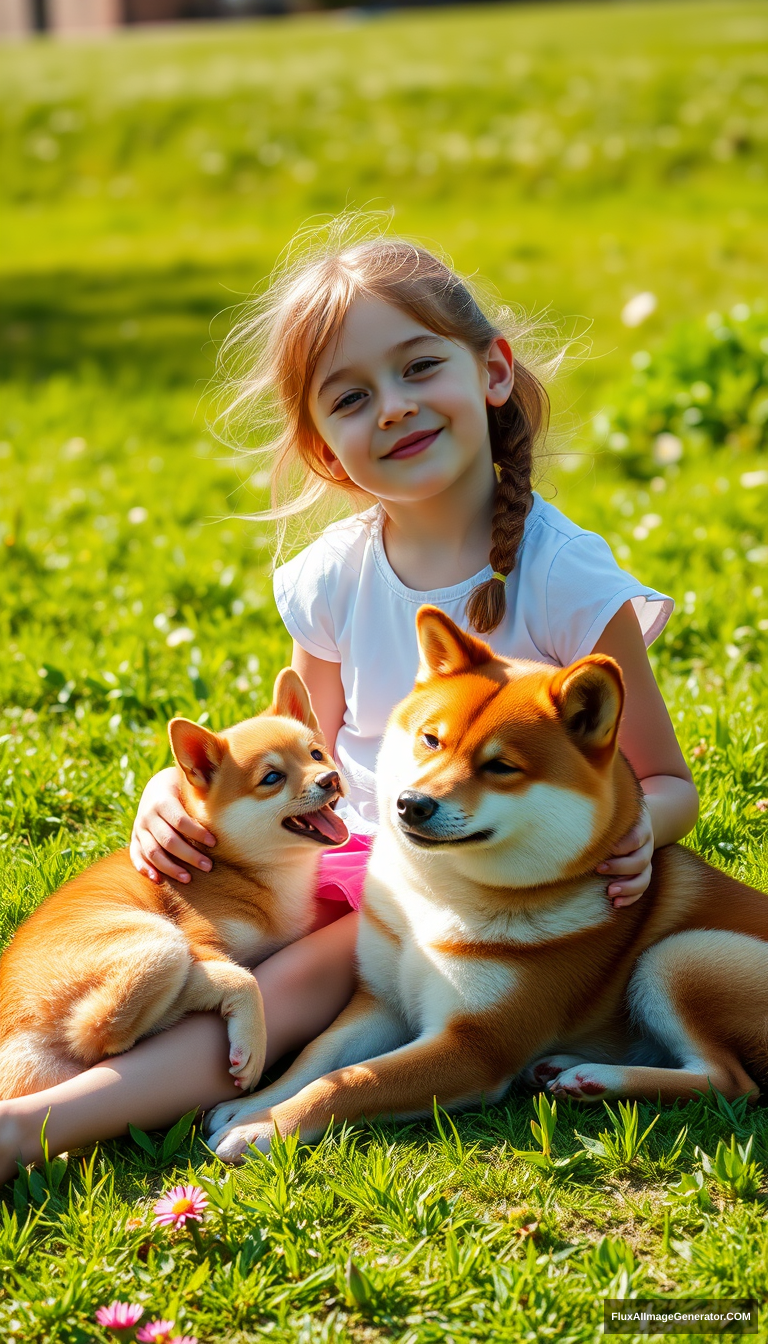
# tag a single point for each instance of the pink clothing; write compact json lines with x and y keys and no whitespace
{"x":342,"y":871}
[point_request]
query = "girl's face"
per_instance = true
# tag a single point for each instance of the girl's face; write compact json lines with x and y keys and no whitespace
{"x":401,"y":411}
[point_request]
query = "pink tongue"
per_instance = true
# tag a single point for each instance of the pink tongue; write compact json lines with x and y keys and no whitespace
{"x":327,"y":823}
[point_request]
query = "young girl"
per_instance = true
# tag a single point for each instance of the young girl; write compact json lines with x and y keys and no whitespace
{"x":392,"y":385}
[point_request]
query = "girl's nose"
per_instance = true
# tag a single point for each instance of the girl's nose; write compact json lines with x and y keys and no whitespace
{"x":394,"y":407}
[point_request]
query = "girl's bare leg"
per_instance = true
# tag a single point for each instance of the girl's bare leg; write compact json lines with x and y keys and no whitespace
{"x":304,"y":987}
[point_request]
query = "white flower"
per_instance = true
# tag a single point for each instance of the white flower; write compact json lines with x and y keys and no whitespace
{"x":638,"y":308}
{"x":667,"y":449}
{"x":137,"y":515}
{"x":73,"y":448}
{"x":181,"y":636}
{"x":752,"y":479}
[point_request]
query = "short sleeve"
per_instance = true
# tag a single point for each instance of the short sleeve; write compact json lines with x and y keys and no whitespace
{"x":585,"y":589}
{"x":301,"y":595}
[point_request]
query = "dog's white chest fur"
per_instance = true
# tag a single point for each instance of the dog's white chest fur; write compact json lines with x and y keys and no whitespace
{"x":423,"y":975}
{"x":422,"y":972}
{"x":246,"y":942}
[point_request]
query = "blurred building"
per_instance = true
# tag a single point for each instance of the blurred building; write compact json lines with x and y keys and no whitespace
{"x":23,"y":16}
{"x":18,"y":17}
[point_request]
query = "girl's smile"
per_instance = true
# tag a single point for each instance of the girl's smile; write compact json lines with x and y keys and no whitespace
{"x":413,"y":444}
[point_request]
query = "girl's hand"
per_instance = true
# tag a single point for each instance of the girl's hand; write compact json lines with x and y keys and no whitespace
{"x":631,"y":861}
{"x":157,"y":840}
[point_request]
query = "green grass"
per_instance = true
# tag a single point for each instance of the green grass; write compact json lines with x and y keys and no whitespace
{"x":148,"y":184}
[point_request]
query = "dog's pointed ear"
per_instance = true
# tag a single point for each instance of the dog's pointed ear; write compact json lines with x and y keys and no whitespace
{"x":291,"y":699}
{"x":589,"y":697}
{"x":197,"y":751}
{"x":444,"y":648}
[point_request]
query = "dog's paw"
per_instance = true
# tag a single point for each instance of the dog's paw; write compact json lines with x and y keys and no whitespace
{"x":588,"y":1082}
{"x":542,"y":1071}
{"x":228,"y":1113}
{"x":232,"y":1143}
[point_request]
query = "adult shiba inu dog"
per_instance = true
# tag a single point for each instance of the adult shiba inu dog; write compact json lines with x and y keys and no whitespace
{"x":487,"y":945}
{"x":111,"y":957}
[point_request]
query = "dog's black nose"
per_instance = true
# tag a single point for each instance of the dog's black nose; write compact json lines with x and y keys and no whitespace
{"x":330,"y":780}
{"x":415,"y":808}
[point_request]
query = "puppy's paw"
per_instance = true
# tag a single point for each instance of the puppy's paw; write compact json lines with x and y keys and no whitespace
{"x":246,"y":1056}
{"x":231,"y":1144}
{"x":588,"y":1082}
{"x":245,"y":1068}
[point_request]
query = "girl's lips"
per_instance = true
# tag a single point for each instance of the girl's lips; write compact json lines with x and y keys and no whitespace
{"x":414,"y":447}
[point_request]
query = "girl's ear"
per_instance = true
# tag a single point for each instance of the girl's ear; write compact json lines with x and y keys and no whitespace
{"x":500,"y":365}
{"x":332,"y":464}
{"x":445,"y":648}
{"x":290,"y":698}
{"x":197,"y":751}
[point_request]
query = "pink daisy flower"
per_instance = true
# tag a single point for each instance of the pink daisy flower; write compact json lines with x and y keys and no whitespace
{"x":157,"y":1332}
{"x":183,"y":1339}
{"x":182,"y":1203}
{"x":119,"y":1315}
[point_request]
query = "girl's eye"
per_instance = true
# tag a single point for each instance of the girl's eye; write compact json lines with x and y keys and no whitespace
{"x":351,"y":399}
{"x":316,"y":755}
{"x":431,"y":741}
{"x":273,"y":777}
{"x":499,"y":767}
{"x":423,"y":365}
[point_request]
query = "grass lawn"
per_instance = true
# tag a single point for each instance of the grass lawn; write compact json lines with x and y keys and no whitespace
{"x":576,"y":156}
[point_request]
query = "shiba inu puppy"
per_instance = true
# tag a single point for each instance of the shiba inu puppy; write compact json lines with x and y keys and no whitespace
{"x":111,"y":957}
{"x":487,"y":946}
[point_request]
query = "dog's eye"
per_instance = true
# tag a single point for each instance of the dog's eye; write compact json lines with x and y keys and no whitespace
{"x":272,"y":777}
{"x":498,"y":767}
{"x":316,"y":755}
{"x":430,"y":741}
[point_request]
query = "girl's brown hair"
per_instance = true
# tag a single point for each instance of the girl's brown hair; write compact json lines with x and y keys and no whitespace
{"x":270,"y":358}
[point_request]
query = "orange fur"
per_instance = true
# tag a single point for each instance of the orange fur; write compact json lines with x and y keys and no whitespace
{"x":112,"y":957}
{"x":487,"y":943}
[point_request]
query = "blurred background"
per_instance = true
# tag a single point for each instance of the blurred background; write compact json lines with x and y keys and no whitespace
{"x":578,"y":155}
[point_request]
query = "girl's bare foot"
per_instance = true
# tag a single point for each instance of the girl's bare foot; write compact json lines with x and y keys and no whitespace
{"x":20,"y":1128}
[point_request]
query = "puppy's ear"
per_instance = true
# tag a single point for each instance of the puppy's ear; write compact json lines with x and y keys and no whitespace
{"x":197,"y":751}
{"x":445,"y":648}
{"x":589,"y":697}
{"x":291,"y":699}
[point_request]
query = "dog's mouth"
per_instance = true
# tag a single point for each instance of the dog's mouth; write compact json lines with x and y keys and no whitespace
{"x":322,"y":826}
{"x":432,"y":841}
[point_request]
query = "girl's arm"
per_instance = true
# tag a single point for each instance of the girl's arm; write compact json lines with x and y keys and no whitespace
{"x":648,"y":740}
{"x":323,"y":681}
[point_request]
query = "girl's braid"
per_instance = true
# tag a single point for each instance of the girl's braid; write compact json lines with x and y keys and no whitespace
{"x":514,"y":427}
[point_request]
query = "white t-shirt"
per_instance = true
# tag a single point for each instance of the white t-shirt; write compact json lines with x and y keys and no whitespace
{"x":342,"y":601}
